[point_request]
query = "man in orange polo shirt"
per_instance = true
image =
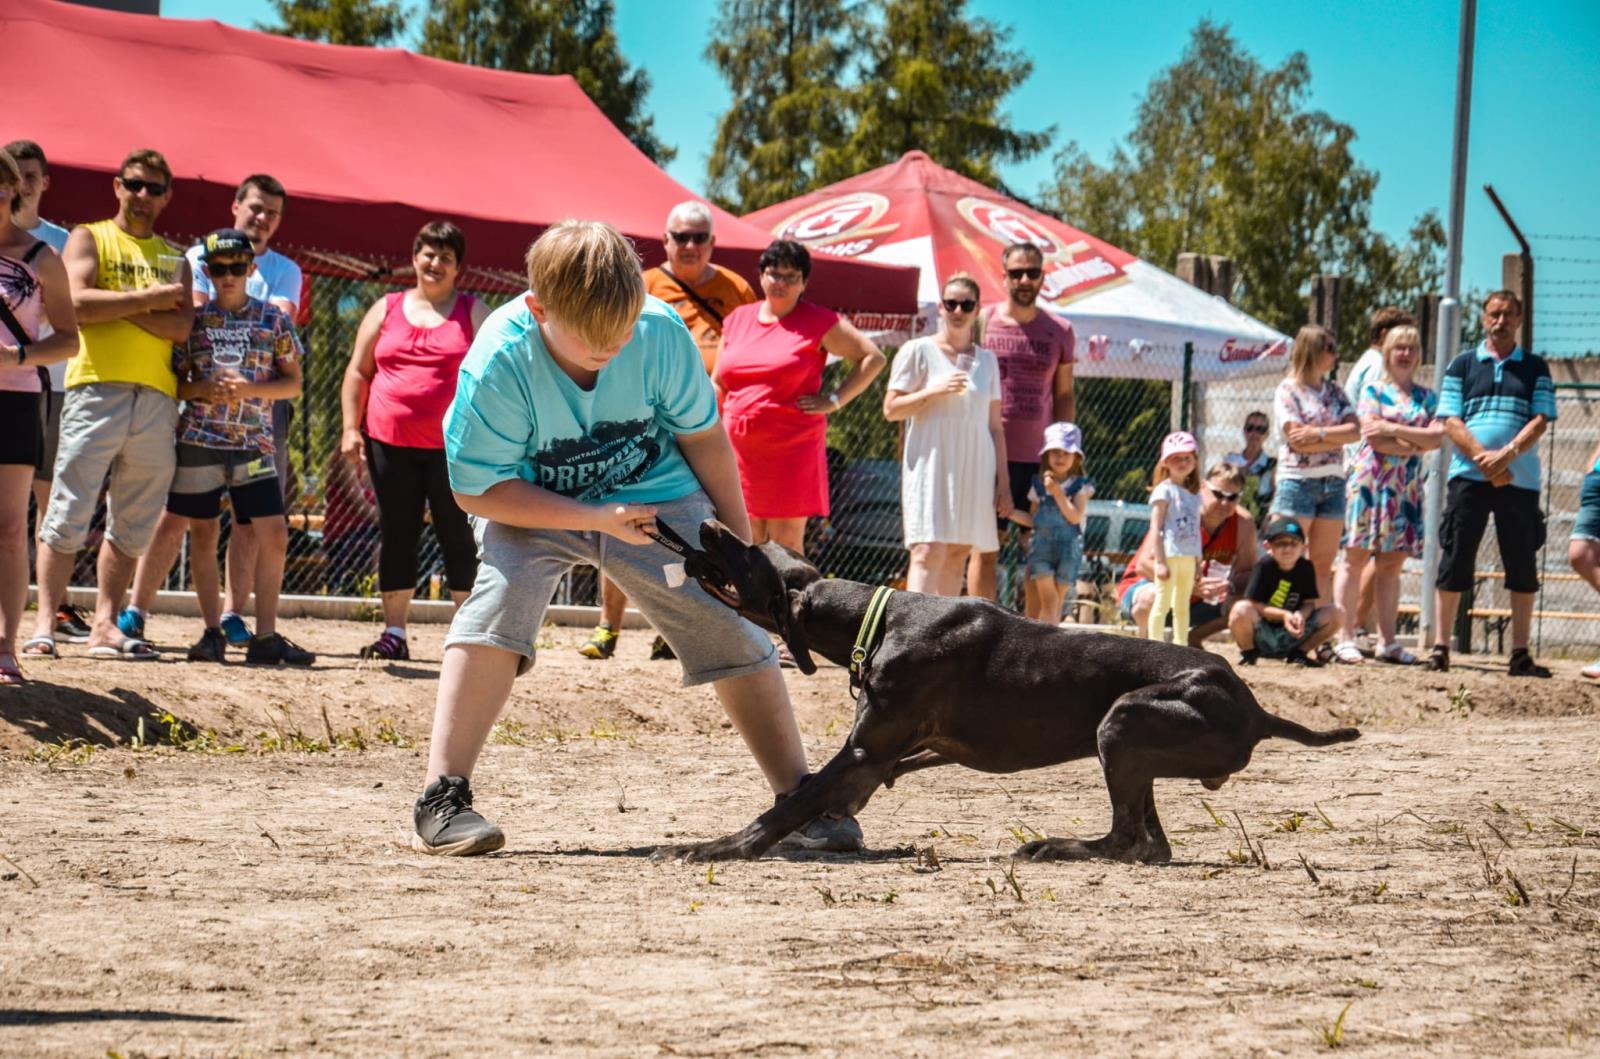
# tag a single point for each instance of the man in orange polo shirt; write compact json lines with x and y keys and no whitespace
{"x":702,"y":294}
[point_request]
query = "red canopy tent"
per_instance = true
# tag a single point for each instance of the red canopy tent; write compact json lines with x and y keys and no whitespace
{"x":370,"y":143}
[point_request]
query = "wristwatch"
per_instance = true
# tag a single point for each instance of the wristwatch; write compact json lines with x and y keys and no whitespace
{"x":833,"y":399}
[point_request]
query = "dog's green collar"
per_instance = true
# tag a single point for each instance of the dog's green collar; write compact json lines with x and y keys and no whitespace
{"x":869,"y":635}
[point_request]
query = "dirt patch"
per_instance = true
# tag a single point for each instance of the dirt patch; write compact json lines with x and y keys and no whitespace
{"x":163,"y":902}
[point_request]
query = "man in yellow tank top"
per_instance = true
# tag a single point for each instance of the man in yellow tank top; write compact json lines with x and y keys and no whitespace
{"x":130,"y":288}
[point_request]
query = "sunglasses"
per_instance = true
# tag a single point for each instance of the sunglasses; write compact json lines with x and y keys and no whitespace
{"x":960,"y":305}
{"x":1024,"y":273}
{"x":238,"y":268}
{"x":1255,"y":428}
{"x":133,"y":186}
{"x":1225,"y":497}
{"x":685,"y":238}
{"x":787,"y":279}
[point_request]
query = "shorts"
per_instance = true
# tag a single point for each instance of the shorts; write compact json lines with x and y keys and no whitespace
{"x":21,"y":438}
{"x":126,"y":431}
{"x":1586,"y":527}
{"x":1518,"y":528}
{"x":282,"y":416}
{"x":1273,"y":640}
{"x":1310,"y":497}
{"x":50,"y":419}
{"x":1200,"y":612}
{"x":1056,"y":555}
{"x":519,"y":569}
{"x":203,"y":475}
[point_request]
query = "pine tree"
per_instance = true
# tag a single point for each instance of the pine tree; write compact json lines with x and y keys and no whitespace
{"x":362,"y":23}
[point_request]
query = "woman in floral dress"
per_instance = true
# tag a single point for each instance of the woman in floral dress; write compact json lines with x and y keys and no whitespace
{"x":1383,"y":495}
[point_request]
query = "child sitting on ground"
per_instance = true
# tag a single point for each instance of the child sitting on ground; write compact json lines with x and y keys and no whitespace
{"x":1058,"y":498}
{"x":1175,"y":533}
{"x":1279,"y":618}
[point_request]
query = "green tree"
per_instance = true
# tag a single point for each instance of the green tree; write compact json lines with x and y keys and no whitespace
{"x":933,"y":78}
{"x":785,"y":61}
{"x":362,"y":23}
{"x":550,"y":37}
{"x":1225,"y":157}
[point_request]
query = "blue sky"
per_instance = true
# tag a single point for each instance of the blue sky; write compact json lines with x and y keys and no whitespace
{"x":1387,"y":69}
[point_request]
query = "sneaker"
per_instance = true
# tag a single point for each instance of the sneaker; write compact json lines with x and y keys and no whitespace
{"x":785,"y":658}
{"x":1523,"y":665}
{"x":211,"y":647}
{"x":131,"y":622}
{"x":1248,"y":658}
{"x":234,"y":628}
{"x":387,"y":648}
{"x":1591,"y":671}
{"x":271,"y":648}
{"x":827,"y":834}
{"x":602,"y":643}
{"x":660,"y":650}
{"x":70,"y":626}
{"x":447,"y":825}
{"x":1298,"y":657}
{"x":1438,"y":660}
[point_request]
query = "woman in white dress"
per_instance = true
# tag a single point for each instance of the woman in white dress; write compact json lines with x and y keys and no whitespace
{"x":952,"y":474}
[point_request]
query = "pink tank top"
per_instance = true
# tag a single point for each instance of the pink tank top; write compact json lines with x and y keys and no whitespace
{"x":415,"y":379}
{"x":19,"y":287}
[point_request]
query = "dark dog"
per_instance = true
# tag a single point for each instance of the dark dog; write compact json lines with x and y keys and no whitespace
{"x":965,"y":682}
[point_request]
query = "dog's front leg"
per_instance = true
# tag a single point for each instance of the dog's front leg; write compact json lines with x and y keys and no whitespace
{"x":844,"y":783}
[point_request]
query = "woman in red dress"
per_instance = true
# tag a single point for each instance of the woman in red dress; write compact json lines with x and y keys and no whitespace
{"x":769,"y":388}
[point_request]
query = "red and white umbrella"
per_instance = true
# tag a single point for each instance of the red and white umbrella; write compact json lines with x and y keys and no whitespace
{"x":1130,"y":317}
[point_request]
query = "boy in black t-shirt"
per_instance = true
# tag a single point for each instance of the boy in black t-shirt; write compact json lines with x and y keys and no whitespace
{"x":1278,"y":616}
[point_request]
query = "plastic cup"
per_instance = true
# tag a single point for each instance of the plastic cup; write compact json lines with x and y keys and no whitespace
{"x":964,"y":362}
{"x":169,"y":268}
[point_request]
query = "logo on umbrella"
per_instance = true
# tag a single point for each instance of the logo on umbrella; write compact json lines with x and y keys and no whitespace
{"x":1070,"y":269}
{"x":831,"y":221}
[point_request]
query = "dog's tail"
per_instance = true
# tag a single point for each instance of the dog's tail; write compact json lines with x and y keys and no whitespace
{"x":1286,"y":729}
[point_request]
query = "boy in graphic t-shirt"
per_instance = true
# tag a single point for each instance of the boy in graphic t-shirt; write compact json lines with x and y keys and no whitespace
{"x":582,"y":415}
{"x":1278,"y":616}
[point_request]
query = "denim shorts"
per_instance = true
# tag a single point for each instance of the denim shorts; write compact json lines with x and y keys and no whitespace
{"x":519,"y":569}
{"x":1057,"y":555}
{"x":1310,"y":498}
{"x":1586,"y":527}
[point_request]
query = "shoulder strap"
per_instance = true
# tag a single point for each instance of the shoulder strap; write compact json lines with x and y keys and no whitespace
{"x":11,"y":322}
{"x":703,"y":305}
{"x":33,"y":252}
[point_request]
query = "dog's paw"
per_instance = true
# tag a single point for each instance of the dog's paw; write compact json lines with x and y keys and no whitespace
{"x":701,"y":852}
{"x":1054,"y":849}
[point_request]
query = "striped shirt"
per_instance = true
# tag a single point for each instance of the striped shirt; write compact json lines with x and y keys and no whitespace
{"x":1496,"y":398}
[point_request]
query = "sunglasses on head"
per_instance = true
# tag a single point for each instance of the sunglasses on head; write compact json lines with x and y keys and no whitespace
{"x":1025,"y":273}
{"x":1224,"y":496}
{"x":1255,"y":428}
{"x":238,"y":268}
{"x":133,"y":185}
{"x":960,"y":305}
{"x":685,"y":238}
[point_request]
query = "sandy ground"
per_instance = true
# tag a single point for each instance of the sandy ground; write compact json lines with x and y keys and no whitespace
{"x":250,"y":892}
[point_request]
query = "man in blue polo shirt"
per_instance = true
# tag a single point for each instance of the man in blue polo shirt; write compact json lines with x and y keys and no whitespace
{"x":1496,"y":402}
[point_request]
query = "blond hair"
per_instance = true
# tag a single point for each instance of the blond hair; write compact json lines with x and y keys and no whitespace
{"x":1308,"y":346}
{"x":1395,"y":337}
{"x":586,"y":275}
{"x":11,"y":177}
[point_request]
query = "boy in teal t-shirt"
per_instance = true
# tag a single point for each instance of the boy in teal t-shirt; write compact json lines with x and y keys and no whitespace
{"x":583,"y":413}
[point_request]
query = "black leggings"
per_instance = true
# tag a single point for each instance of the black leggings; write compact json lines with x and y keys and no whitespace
{"x":402,"y":479}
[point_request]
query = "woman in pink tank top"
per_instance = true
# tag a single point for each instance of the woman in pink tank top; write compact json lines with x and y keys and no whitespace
{"x":33,"y":292}
{"x":400,"y":381}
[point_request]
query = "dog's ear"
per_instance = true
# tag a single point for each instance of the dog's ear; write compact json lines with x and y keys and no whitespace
{"x":788,"y":614}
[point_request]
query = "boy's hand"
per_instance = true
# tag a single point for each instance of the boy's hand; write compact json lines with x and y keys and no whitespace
{"x":219,"y":389}
{"x":627,"y":522}
{"x":1162,"y":573}
{"x":1295,"y":623}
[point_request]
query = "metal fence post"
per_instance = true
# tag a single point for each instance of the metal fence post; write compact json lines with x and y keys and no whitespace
{"x":1188,"y":383}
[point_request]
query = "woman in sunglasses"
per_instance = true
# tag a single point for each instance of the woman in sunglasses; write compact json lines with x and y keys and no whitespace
{"x":769,"y":388}
{"x":946,"y":388}
{"x":400,"y":380}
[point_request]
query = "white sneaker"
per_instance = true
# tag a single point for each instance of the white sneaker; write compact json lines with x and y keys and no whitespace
{"x":1592,"y":670}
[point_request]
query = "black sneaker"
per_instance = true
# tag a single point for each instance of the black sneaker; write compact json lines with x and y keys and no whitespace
{"x":1248,"y":658}
{"x":211,"y":647}
{"x":1298,"y":657}
{"x":387,"y":648}
{"x":70,"y":626}
{"x":447,"y":825}
{"x":271,"y":648}
{"x":660,"y":650}
{"x":1438,"y":660}
{"x":1523,"y":665}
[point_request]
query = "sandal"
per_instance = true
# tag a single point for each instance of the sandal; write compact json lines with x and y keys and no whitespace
{"x":40,"y":647}
{"x":10,"y":674}
{"x":1439,"y":659}
{"x":1395,"y":655}
{"x":1348,"y":654}
{"x":129,"y":650}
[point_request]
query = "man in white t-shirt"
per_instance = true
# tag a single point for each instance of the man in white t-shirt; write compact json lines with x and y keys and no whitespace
{"x":70,"y":624}
{"x":1367,"y":369}
{"x":257,"y":211}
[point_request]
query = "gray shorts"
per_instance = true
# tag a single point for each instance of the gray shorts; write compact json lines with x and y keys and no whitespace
{"x":518,"y":570}
{"x":50,"y":420}
{"x":122,"y":430}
